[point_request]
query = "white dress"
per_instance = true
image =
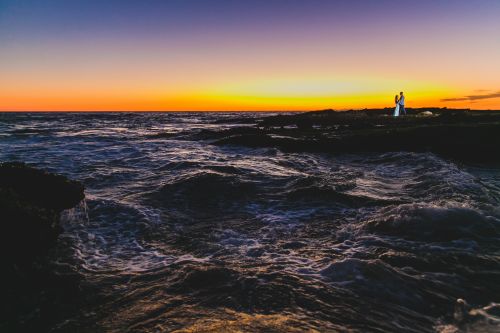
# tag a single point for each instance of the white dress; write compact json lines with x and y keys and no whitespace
{"x":396,"y":110}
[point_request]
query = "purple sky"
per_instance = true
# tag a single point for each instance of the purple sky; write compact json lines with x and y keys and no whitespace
{"x":235,"y":50}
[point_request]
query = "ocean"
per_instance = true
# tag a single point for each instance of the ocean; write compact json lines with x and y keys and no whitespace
{"x":179,"y":234}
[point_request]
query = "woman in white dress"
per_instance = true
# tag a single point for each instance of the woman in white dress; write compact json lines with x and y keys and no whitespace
{"x":396,"y":110}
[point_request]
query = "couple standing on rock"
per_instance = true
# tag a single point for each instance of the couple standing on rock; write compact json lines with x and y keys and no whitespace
{"x":400,"y":105}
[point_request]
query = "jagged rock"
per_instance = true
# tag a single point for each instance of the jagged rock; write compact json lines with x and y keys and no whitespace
{"x":460,"y":134}
{"x":31,"y":201}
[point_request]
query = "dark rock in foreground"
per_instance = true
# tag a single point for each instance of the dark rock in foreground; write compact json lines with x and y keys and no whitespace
{"x":31,"y":201}
{"x":461,"y":134}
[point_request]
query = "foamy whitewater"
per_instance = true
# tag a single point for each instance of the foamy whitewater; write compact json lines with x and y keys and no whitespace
{"x":180,"y":234}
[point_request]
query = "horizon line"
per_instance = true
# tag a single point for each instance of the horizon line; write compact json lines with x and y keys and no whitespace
{"x":235,"y":111}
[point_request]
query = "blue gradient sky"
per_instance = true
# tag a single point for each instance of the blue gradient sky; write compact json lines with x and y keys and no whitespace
{"x":255,"y":55}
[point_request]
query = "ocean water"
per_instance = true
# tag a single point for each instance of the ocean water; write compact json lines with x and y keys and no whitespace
{"x":178,"y":234}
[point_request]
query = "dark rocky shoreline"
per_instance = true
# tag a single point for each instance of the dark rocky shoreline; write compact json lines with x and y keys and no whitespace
{"x":457,"y":133}
{"x":31,"y":203}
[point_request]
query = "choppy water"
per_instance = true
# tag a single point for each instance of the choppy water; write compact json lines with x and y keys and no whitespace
{"x":185,"y":235}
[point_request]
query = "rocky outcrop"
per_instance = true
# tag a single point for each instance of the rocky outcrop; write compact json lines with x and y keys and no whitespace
{"x":465,"y":135}
{"x":31,"y":201}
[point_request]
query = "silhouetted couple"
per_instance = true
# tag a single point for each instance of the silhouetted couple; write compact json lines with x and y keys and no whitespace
{"x":400,"y":105}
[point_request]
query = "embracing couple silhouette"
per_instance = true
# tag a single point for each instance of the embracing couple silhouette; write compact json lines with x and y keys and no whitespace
{"x":400,"y":105}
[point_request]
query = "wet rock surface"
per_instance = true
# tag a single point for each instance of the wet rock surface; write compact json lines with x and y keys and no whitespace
{"x":31,"y":202}
{"x":461,"y":134}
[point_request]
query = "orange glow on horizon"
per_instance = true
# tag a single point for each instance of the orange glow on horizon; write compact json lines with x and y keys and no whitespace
{"x":219,"y":102}
{"x":320,"y":60}
{"x":266,"y":95}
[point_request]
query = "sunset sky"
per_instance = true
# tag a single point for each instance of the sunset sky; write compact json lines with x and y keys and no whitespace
{"x":247,"y":55}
